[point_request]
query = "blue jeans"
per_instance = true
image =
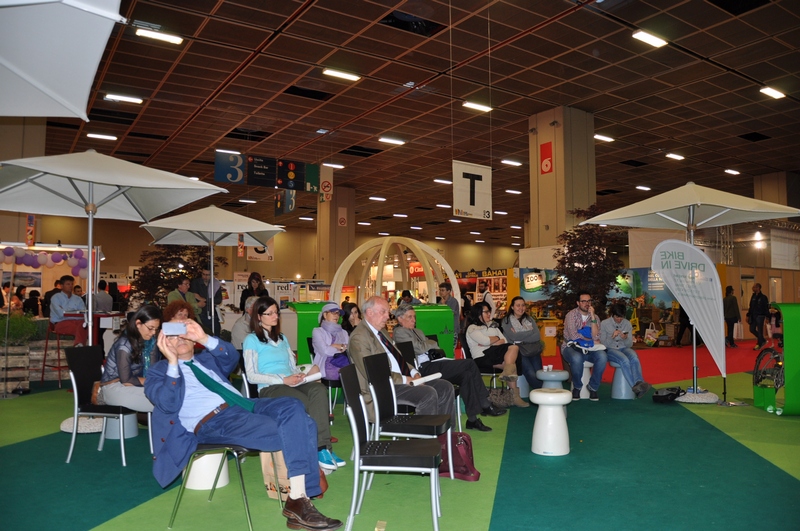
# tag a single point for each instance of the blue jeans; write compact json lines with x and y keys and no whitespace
{"x":531,"y":364}
{"x":628,"y":363}
{"x":575,"y":358}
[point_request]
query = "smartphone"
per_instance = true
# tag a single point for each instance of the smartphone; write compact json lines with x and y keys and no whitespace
{"x":174,"y":329}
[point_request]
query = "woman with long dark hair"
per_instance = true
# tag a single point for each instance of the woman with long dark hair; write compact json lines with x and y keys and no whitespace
{"x":352,"y":317}
{"x":270,"y":363}
{"x":521,"y":329}
{"x":129,"y":358}
{"x":255,"y":288}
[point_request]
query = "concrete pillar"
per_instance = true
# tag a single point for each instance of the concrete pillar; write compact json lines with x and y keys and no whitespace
{"x":780,"y":187}
{"x":562,"y":178}
{"x":19,"y":138}
{"x":336,"y":232}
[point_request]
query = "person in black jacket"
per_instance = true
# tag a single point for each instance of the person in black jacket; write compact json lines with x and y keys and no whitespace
{"x":759,"y":310}
{"x":49,"y":295}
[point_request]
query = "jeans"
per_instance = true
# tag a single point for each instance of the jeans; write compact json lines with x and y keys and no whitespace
{"x":731,"y":323}
{"x":575,"y":358}
{"x":757,"y":328}
{"x":531,"y":364}
{"x":628,"y":363}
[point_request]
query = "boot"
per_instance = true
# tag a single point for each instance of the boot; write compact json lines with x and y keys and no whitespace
{"x":509,"y":372}
{"x":519,"y":402}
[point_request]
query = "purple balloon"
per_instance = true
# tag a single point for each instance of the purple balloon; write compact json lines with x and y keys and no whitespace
{"x":78,"y":253}
{"x":27,"y":260}
{"x":83,"y":263}
{"x":18,"y":260}
{"x":8,"y":251}
{"x":76,"y":271}
{"x":56,"y":257}
{"x":36,"y":265}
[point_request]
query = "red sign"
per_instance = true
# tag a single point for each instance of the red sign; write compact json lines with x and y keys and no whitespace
{"x":415,"y":270}
{"x":546,"y":157}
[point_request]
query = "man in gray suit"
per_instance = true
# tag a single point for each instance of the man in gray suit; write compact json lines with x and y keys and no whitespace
{"x":432,"y":398}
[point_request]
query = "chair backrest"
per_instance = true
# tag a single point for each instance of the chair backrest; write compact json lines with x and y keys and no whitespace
{"x":462,"y":337}
{"x":310,"y":347}
{"x":86,"y":365}
{"x":379,"y":376}
{"x":406,"y":348}
{"x":250,"y":390}
{"x":433,"y":337}
{"x":355,"y":402}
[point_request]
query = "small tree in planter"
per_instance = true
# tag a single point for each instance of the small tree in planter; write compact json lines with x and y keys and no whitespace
{"x":21,"y":328}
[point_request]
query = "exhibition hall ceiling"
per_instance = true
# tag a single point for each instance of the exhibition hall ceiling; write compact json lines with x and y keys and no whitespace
{"x":248,"y":76}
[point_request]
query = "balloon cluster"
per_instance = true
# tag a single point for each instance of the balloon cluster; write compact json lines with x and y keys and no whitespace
{"x":21,"y":256}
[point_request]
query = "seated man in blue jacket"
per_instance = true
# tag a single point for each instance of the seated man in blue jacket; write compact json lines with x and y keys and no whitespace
{"x":195,"y":404}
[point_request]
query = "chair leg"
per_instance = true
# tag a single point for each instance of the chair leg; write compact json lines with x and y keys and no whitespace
{"x":275,"y":475}
{"x":150,"y":430}
{"x":102,"y":436}
{"x":352,"y":515}
{"x":122,"y":438}
{"x":244,"y":493}
{"x":222,"y":462}
{"x":363,"y":490}
{"x":180,"y":492}
{"x":434,"y":500}
{"x":450,"y":452}
{"x":458,"y":411}
{"x":74,"y":435}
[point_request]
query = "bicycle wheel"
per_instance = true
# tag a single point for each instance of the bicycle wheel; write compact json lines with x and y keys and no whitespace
{"x":769,"y":368}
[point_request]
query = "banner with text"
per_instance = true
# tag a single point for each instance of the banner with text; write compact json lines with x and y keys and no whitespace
{"x":472,"y":190}
{"x":693,"y":279}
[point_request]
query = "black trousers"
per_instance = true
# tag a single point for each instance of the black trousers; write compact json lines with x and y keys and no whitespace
{"x":466,"y":375}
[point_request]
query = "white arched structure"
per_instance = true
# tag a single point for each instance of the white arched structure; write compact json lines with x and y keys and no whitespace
{"x":380,"y":248}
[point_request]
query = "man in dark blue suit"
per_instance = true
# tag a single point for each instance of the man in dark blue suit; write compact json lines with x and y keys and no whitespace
{"x":189,"y":412}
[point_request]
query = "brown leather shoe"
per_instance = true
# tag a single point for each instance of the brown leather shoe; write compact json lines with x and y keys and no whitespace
{"x":301,"y":514}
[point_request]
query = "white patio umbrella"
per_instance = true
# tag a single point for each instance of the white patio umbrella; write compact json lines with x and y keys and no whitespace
{"x":211,"y":226}
{"x":94,"y":185}
{"x":692,"y":207}
{"x":49,"y":54}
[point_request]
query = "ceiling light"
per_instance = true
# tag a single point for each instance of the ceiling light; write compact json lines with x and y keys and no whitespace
{"x":305,"y":218}
{"x":414,"y":227}
{"x":322,"y":131}
{"x":230,"y":151}
{"x":501,"y":212}
{"x":442,"y":205}
{"x":172,"y":39}
{"x":341,"y":75}
{"x":515,"y":192}
{"x":516,"y":244}
{"x":388,"y":140}
{"x":365,"y":223}
{"x":249,"y":201}
{"x":602,"y":225}
{"x":759,"y":236}
{"x":332,"y":165}
{"x":732,"y":172}
{"x":126,"y":99}
{"x":516,"y":237}
{"x":603,"y":138}
{"x":194,"y":178}
{"x":476,"y":106}
{"x":675,"y":156}
{"x":383,"y":234}
{"x":511,"y":162}
{"x":643,"y":188}
{"x":761,"y":245}
{"x":475,"y":233}
{"x":376,"y":198}
{"x":772,"y":92}
{"x":101,"y":137}
{"x":479,"y":241}
{"x":516,"y":227}
{"x":443,"y":181}
{"x":652,"y":40}
{"x":439,"y":238}
{"x":400,"y":215}
{"x":454,"y":220}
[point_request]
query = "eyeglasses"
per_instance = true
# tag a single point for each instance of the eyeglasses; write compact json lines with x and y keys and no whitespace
{"x":268,"y":314}
{"x":585,"y":300}
{"x":487,"y":311}
{"x":151,"y":328}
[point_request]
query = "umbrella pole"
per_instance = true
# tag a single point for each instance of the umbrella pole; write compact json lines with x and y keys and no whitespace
{"x":91,"y":209}
{"x":694,"y":359}
{"x":725,"y":389}
{"x":6,"y":396}
{"x":210,"y":304}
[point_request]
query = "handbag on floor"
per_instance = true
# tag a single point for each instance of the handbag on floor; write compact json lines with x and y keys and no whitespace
{"x":463,"y":460}
{"x":503,"y":398}
{"x":667,"y":394}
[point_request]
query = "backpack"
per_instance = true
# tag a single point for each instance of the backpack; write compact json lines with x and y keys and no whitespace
{"x":463,"y":460}
{"x":667,"y":394}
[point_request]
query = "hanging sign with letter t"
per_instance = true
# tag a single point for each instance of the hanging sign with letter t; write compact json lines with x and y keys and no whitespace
{"x":472,"y":190}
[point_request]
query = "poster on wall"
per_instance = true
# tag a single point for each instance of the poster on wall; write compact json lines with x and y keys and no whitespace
{"x":239,"y":285}
{"x":284,"y":293}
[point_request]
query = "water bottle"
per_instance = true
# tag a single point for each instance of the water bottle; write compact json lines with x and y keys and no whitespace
{"x":771,"y":409}
{"x":779,"y":411}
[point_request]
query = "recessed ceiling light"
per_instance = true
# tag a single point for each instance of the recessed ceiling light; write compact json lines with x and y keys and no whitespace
{"x":388,"y":140}
{"x":443,"y":181}
{"x":511,"y":162}
{"x":652,"y":40}
{"x":194,"y":178}
{"x":643,"y":188}
{"x":516,"y":227}
{"x":516,"y":237}
{"x":454,"y":220}
{"x":439,"y":238}
{"x":602,"y":225}
{"x":341,"y":75}
{"x":603,"y":138}
{"x":172,"y":39}
{"x":322,"y":131}
{"x":376,"y":198}
{"x":306,"y":218}
{"x":479,"y":241}
{"x":228,"y":151}
{"x":501,"y":212}
{"x":675,"y":156}
{"x":400,"y":215}
{"x":126,"y":99}
{"x":515,"y":192}
{"x":772,"y":92}
{"x":249,"y":201}
{"x":759,"y":236}
{"x":383,"y":234}
{"x":476,"y":106}
{"x":101,"y":137}
{"x":475,"y":233}
{"x":732,"y":172}
{"x":516,"y":244}
{"x":442,"y":205}
{"x":365,"y":223}
{"x":332,"y":165}
{"x":414,"y":227}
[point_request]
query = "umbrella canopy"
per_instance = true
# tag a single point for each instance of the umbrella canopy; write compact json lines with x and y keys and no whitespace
{"x":49,"y":53}
{"x":91,"y":184}
{"x":210,"y":226}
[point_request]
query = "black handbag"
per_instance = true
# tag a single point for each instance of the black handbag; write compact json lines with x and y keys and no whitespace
{"x":667,"y":394}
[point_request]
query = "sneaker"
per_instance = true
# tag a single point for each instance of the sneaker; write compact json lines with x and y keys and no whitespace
{"x":734,"y":345}
{"x":338,"y":460}
{"x":757,"y":347}
{"x":325,"y":459}
{"x":641,"y":389}
{"x":593,"y":396}
{"x":576,"y":394}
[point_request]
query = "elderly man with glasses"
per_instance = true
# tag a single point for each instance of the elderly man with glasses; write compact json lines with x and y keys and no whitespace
{"x":577,"y":323}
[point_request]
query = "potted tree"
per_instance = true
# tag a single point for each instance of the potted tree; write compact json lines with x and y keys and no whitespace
{"x":16,"y":331}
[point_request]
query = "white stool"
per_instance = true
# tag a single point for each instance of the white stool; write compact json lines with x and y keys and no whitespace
{"x":550,"y":433}
{"x":131,"y":427}
{"x":204,"y":470}
{"x":552,"y":379}
{"x":619,"y":386}
{"x":587,"y":374}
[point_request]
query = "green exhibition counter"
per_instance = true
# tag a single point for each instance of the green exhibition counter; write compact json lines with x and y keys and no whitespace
{"x":791,"y":358}
{"x":437,"y":319}
{"x":307,"y":321}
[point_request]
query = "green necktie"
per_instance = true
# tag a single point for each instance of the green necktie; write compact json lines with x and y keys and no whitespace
{"x":231,"y":398}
